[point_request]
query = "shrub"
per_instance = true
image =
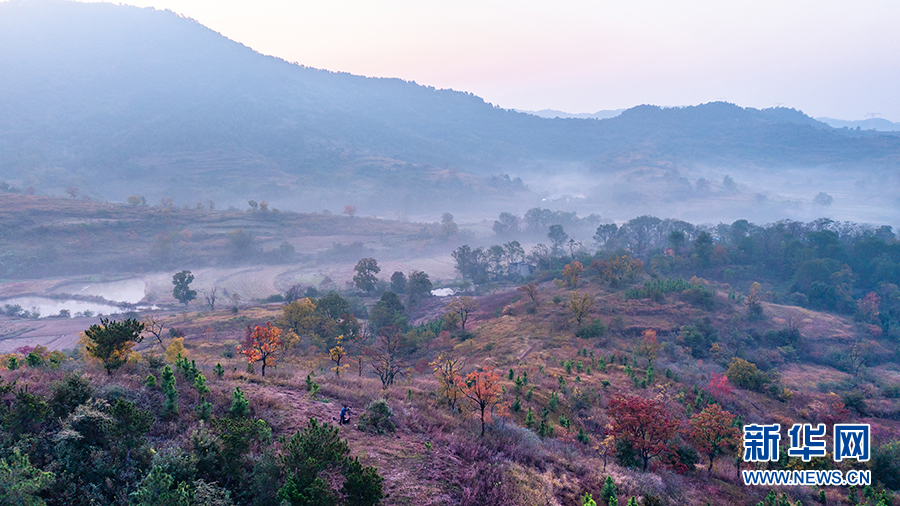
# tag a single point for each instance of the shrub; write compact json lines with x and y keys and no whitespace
{"x":312,"y":457}
{"x":855,"y":400}
{"x":595,"y":329}
{"x":311,"y":386}
{"x":377,"y":418}
{"x":69,"y":394}
{"x":745,"y":374}
{"x":886,"y":465}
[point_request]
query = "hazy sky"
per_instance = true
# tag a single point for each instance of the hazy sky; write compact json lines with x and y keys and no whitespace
{"x":825,"y":57}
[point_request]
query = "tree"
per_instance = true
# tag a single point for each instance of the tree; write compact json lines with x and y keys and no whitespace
{"x":135,"y":200}
{"x":418,"y":286}
{"x":645,"y":424}
{"x":530,"y":289}
{"x":398,"y":282}
{"x":557,"y":237}
{"x":350,"y":210}
{"x":580,"y":304}
{"x":447,"y":367}
{"x":20,"y":482}
{"x":745,"y":374}
{"x":470,"y":263}
{"x":608,"y":492}
{"x":704,"y":247}
{"x":182,"y":291}
{"x":719,"y":386}
{"x":712,"y":432}
{"x":385,"y":355}
{"x":483,"y":389}
{"x":572,"y":272}
{"x":618,"y":269}
{"x":514,"y":252}
{"x":210,"y":296}
{"x":72,"y":191}
{"x":387,"y":311}
{"x":365,"y":279}
{"x":649,"y":345}
{"x":154,"y":325}
{"x":868,"y":307}
{"x":240,"y":405}
{"x":241,"y":243}
{"x":462,"y":306}
{"x":111,"y":341}
{"x":336,"y":354}
{"x":753,"y":301}
{"x":260,"y":345}
{"x":605,"y":233}
{"x":507,"y":223}
{"x":312,"y":458}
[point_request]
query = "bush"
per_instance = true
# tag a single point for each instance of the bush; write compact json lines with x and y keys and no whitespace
{"x":595,"y":329}
{"x":885,"y":465}
{"x":855,"y":400}
{"x":310,"y":458}
{"x":745,"y":374}
{"x":377,"y":418}
{"x":69,"y":394}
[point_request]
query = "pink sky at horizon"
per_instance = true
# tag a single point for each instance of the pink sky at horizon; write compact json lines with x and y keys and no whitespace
{"x":826,"y":58}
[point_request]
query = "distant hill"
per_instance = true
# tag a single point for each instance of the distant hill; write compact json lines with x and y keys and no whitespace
{"x":119,"y":100}
{"x":879,"y":124}
{"x":552,"y":113}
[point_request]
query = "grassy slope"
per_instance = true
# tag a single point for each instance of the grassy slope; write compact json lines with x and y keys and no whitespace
{"x":532,"y":470}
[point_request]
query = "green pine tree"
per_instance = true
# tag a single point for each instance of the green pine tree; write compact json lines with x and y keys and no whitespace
{"x":608,"y":492}
{"x":200,"y":385}
{"x":170,"y":407}
{"x":240,"y":406}
{"x":529,"y":418}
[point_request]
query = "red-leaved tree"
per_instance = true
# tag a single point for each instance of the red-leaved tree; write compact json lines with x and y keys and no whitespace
{"x":260,"y":344}
{"x":644,"y":423}
{"x":719,"y":386}
{"x":483,"y":389}
{"x":712,"y":432}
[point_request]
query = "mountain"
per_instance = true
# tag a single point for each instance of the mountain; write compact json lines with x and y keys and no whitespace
{"x":879,"y":124}
{"x":120,"y":100}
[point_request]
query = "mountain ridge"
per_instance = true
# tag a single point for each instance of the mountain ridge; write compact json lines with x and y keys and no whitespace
{"x":96,"y":94}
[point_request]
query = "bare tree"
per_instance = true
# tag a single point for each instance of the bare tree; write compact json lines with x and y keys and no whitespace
{"x":210,"y":296}
{"x":384,"y":356}
{"x":154,"y":325}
